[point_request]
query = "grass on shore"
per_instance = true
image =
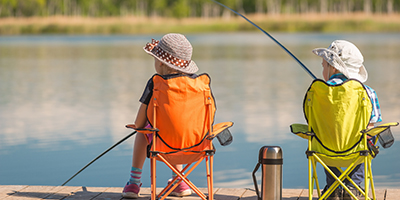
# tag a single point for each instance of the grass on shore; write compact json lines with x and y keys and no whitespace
{"x":139,"y":25}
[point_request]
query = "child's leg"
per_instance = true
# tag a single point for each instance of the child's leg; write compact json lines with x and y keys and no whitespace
{"x":179,"y":168}
{"x":132,"y":188}
{"x":182,"y":189}
{"x":139,"y":151}
{"x":138,"y":159}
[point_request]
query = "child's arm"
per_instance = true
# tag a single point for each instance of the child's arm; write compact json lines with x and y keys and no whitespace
{"x":370,"y":125}
{"x":141,"y":118}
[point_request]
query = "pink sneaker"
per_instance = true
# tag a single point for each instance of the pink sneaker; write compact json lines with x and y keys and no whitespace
{"x":131,"y":191}
{"x":181,"y":190}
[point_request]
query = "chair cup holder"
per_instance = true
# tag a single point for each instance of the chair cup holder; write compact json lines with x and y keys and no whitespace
{"x":386,"y":138}
{"x":225,"y":138}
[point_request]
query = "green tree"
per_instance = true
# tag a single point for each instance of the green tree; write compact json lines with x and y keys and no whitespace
{"x":180,"y":9}
{"x":188,"y":8}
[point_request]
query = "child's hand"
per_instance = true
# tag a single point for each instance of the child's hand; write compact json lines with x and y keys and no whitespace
{"x":132,"y":126}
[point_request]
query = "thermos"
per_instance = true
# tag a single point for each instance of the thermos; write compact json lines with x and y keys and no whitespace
{"x":270,"y":157}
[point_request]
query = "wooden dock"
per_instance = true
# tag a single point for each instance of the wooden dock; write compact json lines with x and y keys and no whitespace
{"x":25,"y":192}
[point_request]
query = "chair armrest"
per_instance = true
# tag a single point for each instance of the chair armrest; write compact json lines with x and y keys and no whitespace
{"x":142,"y":130}
{"x":383,"y":133}
{"x":301,"y":130}
{"x":222,"y":133}
{"x":379,"y":129}
{"x":218,"y":128}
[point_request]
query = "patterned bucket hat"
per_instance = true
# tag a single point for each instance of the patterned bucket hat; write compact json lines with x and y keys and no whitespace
{"x":175,"y":51}
{"x":345,"y":57}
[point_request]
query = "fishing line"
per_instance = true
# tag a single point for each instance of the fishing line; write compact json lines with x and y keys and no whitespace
{"x":102,"y":154}
{"x":283,"y":47}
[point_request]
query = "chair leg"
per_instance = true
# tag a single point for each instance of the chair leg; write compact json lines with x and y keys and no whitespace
{"x":315,"y":177}
{"x":183,"y":177}
{"x":209,"y":169}
{"x":371,"y":178}
{"x":338,"y":180}
{"x":366,"y":177}
{"x":310,"y":178}
{"x":153,"y":178}
{"x":171,"y":186}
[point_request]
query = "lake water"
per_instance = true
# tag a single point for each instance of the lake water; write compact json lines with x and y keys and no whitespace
{"x":66,"y":99}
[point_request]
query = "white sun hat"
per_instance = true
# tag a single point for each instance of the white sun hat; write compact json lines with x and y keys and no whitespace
{"x":345,"y":57}
{"x":175,"y":51}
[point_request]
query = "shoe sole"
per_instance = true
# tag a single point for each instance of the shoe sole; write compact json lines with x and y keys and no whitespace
{"x":130,"y":195}
{"x":182,"y":194}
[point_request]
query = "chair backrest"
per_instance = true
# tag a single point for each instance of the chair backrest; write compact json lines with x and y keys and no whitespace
{"x":183,"y":109}
{"x":337,"y":114}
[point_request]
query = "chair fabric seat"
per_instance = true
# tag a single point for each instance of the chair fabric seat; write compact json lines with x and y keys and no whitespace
{"x":181,"y":104}
{"x":337,"y":114}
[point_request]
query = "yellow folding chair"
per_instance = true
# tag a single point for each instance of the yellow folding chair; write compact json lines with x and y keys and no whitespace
{"x":337,"y":133}
{"x":181,"y":113}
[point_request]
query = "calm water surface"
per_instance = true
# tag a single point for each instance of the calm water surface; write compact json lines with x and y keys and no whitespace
{"x":66,"y":99}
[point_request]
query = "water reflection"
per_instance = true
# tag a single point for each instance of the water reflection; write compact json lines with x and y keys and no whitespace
{"x":65,"y":99}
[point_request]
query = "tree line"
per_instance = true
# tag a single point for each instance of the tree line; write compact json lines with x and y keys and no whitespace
{"x":189,"y":8}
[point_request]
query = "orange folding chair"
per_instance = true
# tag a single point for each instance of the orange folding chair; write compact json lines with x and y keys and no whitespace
{"x":181,"y":113}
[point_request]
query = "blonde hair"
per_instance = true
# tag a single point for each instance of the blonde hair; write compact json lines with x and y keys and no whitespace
{"x":168,"y":70}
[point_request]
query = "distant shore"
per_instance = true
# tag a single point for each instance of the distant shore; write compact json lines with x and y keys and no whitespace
{"x":140,"y":25}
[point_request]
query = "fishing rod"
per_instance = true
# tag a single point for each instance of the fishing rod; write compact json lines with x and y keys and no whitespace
{"x":102,"y":154}
{"x":283,"y":47}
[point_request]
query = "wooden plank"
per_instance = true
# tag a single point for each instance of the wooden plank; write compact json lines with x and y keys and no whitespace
{"x":392,"y":194}
{"x":32,"y":192}
{"x":380,"y":194}
{"x":145,"y":194}
{"x":249,"y":194}
{"x":287,"y":194}
{"x":115,"y":193}
{"x":7,"y":190}
{"x":28,"y":192}
{"x":86,"y":193}
{"x":110,"y":193}
{"x":63,"y":191}
{"x":291,"y":194}
{"x":229,"y":193}
{"x":304,"y":194}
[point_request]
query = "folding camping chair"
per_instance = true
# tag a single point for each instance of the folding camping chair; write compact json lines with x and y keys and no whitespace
{"x":337,"y":118}
{"x":181,"y":113}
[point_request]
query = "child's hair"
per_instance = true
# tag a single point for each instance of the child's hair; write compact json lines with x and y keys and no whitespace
{"x":174,"y":51}
{"x":168,"y":70}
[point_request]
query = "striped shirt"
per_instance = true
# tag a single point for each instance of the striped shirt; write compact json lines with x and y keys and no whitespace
{"x":376,"y":110}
